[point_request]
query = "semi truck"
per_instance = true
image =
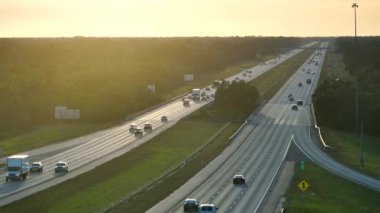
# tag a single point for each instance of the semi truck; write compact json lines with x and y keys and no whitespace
{"x":17,"y":167}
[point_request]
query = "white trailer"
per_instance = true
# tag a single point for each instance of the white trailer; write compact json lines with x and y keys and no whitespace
{"x":17,"y":167}
{"x":196,"y":94}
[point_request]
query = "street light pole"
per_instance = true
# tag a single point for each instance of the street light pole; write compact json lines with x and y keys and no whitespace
{"x":361,"y":159}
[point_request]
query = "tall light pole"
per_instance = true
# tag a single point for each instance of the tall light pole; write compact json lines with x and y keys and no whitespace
{"x":361,"y":159}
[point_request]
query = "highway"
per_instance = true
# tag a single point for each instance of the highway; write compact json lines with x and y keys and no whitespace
{"x":257,"y":152}
{"x":84,"y":153}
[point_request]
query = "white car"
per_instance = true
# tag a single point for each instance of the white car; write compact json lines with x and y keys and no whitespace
{"x":207,"y":208}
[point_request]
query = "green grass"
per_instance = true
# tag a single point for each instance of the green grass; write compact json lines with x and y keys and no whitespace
{"x":46,"y":135}
{"x":329,"y":193}
{"x":107,"y":183}
{"x":347,"y":150}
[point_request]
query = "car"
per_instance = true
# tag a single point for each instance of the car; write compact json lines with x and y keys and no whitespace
{"x":164,"y":118}
{"x":244,"y":74}
{"x":186,"y":102}
{"x":294,"y":107}
{"x":203,"y":98}
{"x":191,"y":204}
{"x":148,"y":127}
{"x":308,"y":81}
{"x":203,"y":93}
{"x":132,"y":127}
{"x":36,"y":167}
{"x":291,"y":99}
{"x":238,"y":179}
{"x":299,"y":102}
{"x":208,"y":89}
{"x":61,"y":166}
{"x":138,"y":132}
{"x":299,"y":84}
{"x":207,"y":208}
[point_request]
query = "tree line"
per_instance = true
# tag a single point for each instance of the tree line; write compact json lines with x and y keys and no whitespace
{"x":335,"y":99}
{"x":106,"y":78}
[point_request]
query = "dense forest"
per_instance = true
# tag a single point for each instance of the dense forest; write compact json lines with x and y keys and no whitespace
{"x":106,"y":78}
{"x":335,"y":99}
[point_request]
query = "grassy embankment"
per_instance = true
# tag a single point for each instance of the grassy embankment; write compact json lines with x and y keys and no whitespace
{"x":121,"y":176}
{"x":328,"y":192}
{"x":49,"y":134}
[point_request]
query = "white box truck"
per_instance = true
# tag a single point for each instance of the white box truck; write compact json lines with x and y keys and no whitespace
{"x":196,"y":94}
{"x":17,"y":167}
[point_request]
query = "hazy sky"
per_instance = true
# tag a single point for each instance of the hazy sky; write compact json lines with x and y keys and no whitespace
{"x":126,"y":18}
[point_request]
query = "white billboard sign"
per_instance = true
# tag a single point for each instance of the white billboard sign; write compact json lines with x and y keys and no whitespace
{"x":151,"y":88}
{"x":188,"y":77}
{"x":62,"y":112}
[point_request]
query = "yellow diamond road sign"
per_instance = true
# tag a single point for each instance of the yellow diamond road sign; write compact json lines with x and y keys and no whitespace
{"x":303,"y":185}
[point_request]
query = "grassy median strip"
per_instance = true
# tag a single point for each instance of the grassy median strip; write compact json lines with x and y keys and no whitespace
{"x":329,"y":193}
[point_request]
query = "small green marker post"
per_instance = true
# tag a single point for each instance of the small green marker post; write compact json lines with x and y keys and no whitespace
{"x":302,"y":165}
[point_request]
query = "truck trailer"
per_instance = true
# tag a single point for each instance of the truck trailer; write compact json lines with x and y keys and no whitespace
{"x":17,"y":167}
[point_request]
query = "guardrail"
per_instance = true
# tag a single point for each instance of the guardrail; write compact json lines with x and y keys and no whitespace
{"x":325,"y":146}
{"x":166,"y":173}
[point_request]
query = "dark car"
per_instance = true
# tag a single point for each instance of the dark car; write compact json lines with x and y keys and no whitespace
{"x":294,"y":107}
{"x":238,"y":179}
{"x":299,"y":84}
{"x":61,"y":166}
{"x":186,"y":103}
{"x":36,"y":167}
{"x":148,"y":127}
{"x":164,"y":118}
{"x":138,"y":132}
{"x":132,"y":127}
{"x":299,"y":102}
{"x":191,"y":205}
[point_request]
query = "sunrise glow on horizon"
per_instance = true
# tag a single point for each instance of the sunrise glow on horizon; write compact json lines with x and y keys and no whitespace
{"x":171,"y":18}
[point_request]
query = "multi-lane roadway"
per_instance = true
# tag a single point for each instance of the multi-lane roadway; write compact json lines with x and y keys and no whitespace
{"x":260,"y":149}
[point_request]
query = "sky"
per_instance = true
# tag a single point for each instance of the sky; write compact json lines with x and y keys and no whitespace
{"x":171,"y":18}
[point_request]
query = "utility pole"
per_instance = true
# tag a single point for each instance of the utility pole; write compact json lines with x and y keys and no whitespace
{"x":361,"y":158}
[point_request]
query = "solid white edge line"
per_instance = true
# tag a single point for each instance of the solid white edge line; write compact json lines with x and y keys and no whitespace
{"x":275,"y":175}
